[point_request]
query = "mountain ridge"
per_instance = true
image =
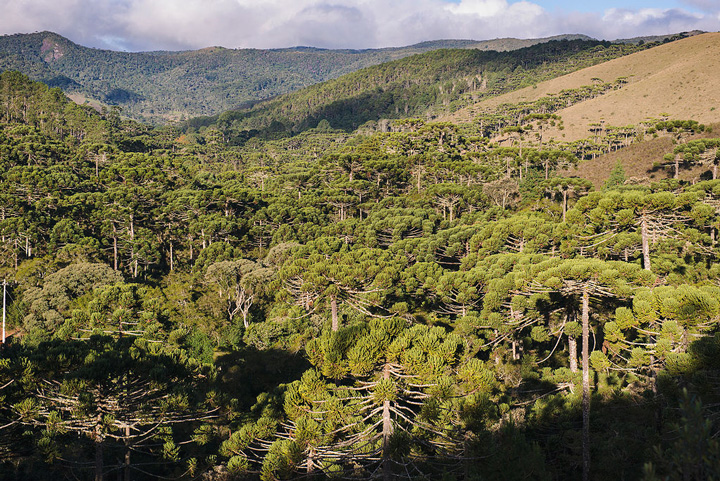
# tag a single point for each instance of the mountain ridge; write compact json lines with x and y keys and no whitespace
{"x":161,"y":86}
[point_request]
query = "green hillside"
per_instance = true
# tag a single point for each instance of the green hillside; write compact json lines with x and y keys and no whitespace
{"x":161,"y":86}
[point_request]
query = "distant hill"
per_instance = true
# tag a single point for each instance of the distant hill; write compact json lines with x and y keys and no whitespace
{"x":423,"y":85}
{"x":161,"y":86}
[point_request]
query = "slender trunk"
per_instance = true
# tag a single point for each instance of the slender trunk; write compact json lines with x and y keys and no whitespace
{"x":334,"y":313}
{"x":115,"y":248}
{"x":244,"y":312}
{"x":572,"y":347}
{"x":309,"y":463}
{"x":171,"y":257}
{"x":564,"y":204}
{"x":586,"y":383}
{"x":572,"y":342}
{"x":134,"y":266}
{"x":387,"y":431}
{"x":127,"y":453}
{"x":645,"y":243}
{"x":98,"y":451}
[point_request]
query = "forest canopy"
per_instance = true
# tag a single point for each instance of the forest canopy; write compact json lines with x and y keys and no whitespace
{"x":421,"y":301}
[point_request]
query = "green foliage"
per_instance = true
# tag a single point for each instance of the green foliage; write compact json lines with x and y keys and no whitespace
{"x":616,"y":179}
{"x":694,"y":454}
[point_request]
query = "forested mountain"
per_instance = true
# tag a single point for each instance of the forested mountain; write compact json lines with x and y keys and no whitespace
{"x":162,"y":86}
{"x":420,"y":301}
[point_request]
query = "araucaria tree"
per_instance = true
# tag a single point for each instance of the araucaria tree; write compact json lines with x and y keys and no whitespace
{"x":384,"y":401}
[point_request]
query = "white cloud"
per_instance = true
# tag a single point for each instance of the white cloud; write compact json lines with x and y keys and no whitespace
{"x":479,"y":8}
{"x":705,"y":5}
{"x":190,"y":24}
{"x":651,"y":21}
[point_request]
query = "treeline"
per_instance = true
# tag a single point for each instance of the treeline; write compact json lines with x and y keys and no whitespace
{"x":407,"y":304}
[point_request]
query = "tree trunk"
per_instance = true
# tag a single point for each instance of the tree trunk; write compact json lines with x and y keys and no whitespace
{"x":387,"y":432}
{"x":127,"y":453}
{"x":515,"y":350}
{"x":586,"y":383}
{"x":572,"y":342}
{"x":565,"y":195}
{"x":133,"y":260}
{"x":115,"y":249}
{"x":572,"y":348}
{"x":310,"y":463}
{"x":334,"y":313}
{"x":645,"y":243}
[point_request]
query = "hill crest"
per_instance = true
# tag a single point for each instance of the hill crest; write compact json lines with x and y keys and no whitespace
{"x":675,"y":80}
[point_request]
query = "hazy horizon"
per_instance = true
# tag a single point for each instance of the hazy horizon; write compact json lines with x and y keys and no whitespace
{"x":152,"y":25}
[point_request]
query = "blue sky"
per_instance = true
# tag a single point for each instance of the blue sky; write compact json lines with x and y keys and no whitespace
{"x":137,"y":25}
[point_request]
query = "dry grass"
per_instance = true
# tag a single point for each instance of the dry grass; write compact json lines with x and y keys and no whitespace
{"x":678,"y":79}
{"x":639,"y":162}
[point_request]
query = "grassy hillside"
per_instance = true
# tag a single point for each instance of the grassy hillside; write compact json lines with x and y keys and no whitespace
{"x":158,"y":86}
{"x":675,"y":80}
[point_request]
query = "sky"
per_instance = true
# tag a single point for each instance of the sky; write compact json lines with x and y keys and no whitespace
{"x":144,"y":25}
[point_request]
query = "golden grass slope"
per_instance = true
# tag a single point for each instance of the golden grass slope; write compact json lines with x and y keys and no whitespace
{"x":680,"y":79}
